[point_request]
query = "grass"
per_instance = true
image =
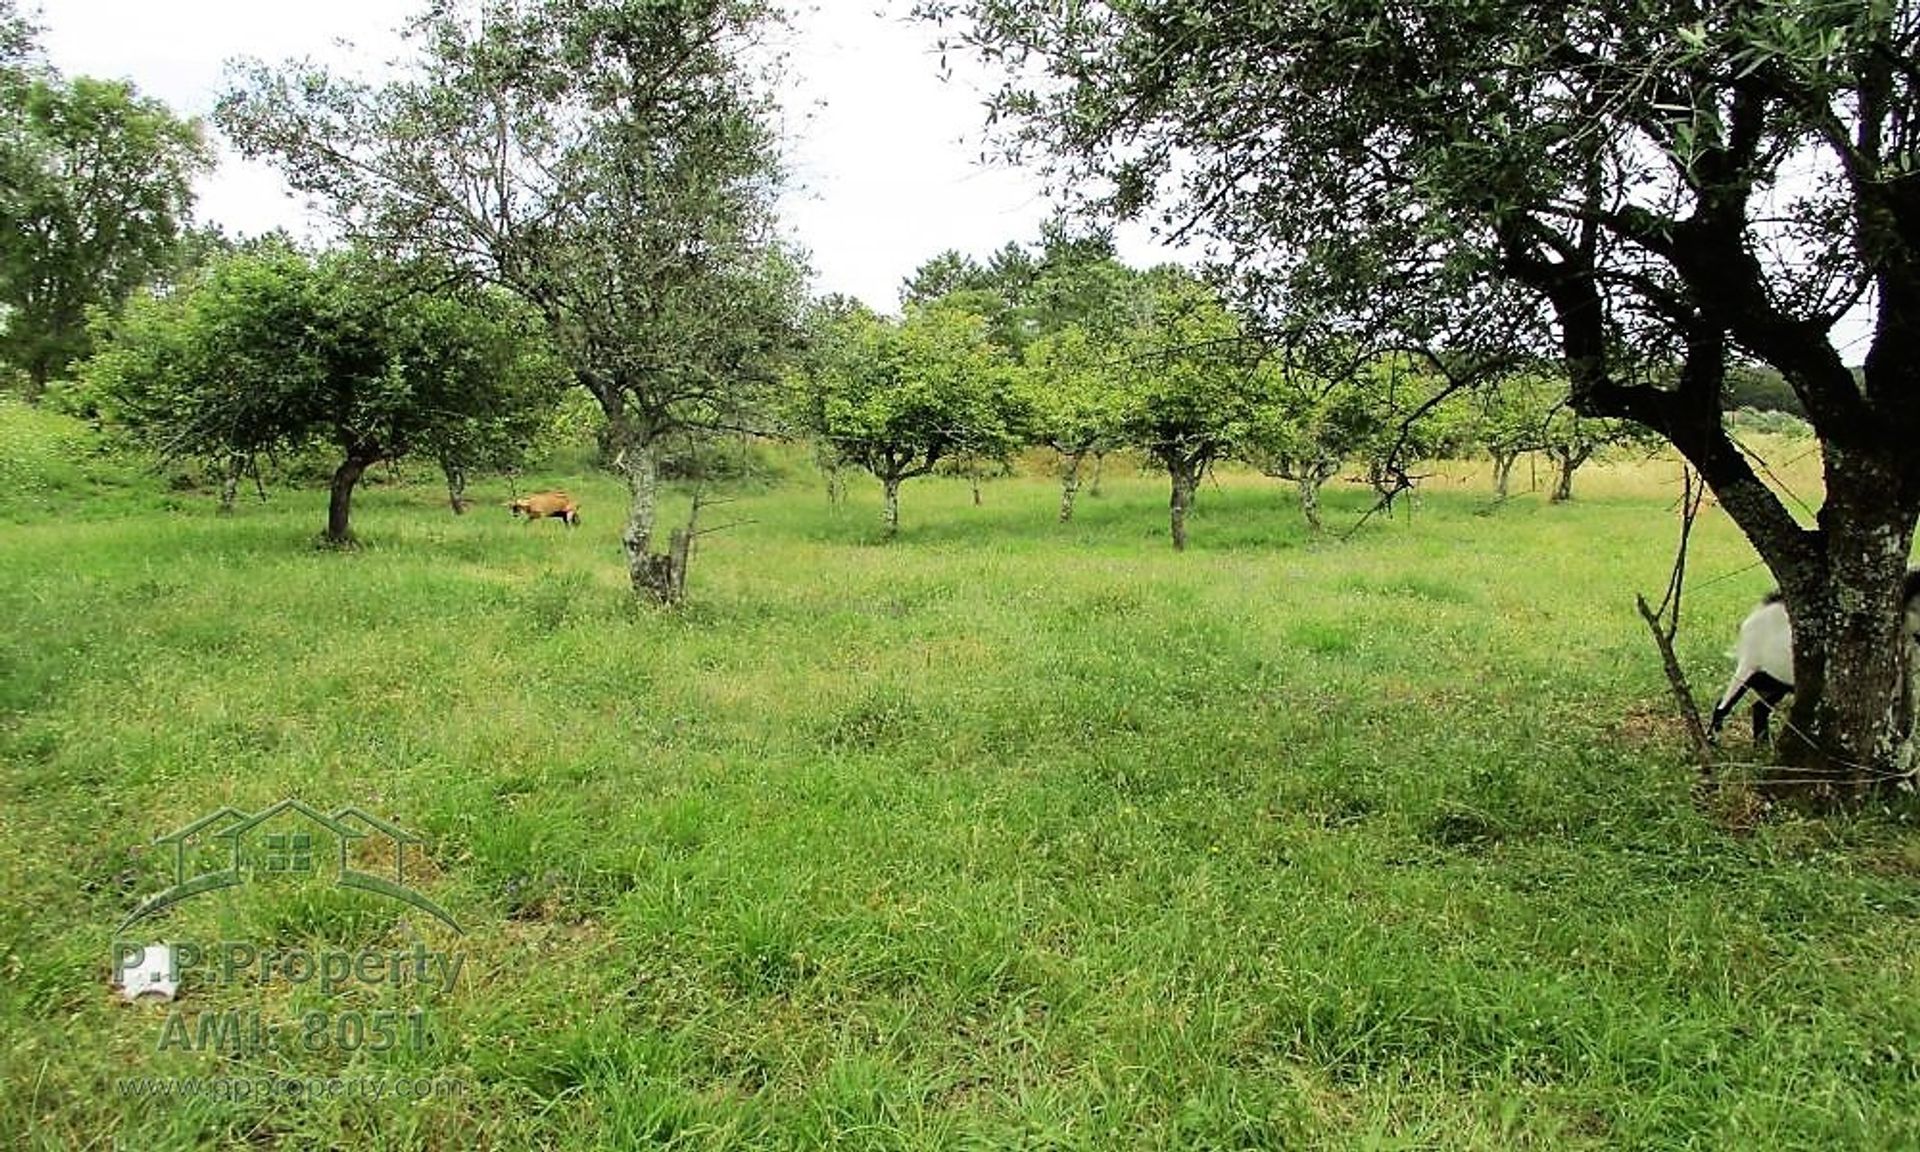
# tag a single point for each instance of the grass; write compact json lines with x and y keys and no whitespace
{"x":1006,"y":834}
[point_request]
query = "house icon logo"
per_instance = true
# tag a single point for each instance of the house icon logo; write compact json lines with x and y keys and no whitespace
{"x":291,"y":838}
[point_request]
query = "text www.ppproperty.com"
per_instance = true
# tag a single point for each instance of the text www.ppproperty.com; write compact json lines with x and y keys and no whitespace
{"x":263,"y":1087}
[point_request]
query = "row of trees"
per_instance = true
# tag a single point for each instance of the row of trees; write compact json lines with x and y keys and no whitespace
{"x":1071,"y":350}
{"x":610,"y":166}
{"x":547,"y":188}
{"x":265,"y":350}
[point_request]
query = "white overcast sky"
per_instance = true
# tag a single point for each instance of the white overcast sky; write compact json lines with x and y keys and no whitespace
{"x":884,"y":152}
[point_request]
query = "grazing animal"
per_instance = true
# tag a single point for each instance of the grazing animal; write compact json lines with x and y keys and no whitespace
{"x":541,"y":505}
{"x":1763,"y":657}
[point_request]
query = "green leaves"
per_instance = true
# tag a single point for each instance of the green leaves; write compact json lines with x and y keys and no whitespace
{"x":273,"y":350}
{"x":95,"y":185}
{"x":613,"y":165}
{"x":898,"y":396}
{"x":1191,"y":375}
{"x":1075,"y":392}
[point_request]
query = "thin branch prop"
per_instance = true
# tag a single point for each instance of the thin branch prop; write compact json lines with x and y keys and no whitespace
{"x":724,"y":527}
{"x":1664,"y":623}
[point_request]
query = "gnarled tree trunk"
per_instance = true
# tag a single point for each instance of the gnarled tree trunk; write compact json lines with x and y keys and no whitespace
{"x":890,"y":507}
{"x":1851,"y":722}
{"x":1568,"y":463}
{"x":340,"y":498}
{"x":659,"y":577}
{"x":1850,"y":726}
{"x":1069,"y":483}
{"x":1503,"y":463}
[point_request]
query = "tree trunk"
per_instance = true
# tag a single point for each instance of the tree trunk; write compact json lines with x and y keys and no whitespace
{"x":1569,"y":463}
{"x":456,"y":488}
{"x":340,"y":499}
{"x":659,"y":578}
{"x":230,"y":483}
{"x":973,"y":477}
{"x":890,"y":509}
{"x":1099,"y":466}
{"x":1185,"y":479}
{"x":1070,"y":484}
{"x":1851,"y":723}
{"x":1503,"y":463}
{"x":1308,"y":482}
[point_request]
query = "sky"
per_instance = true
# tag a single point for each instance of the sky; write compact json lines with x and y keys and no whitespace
{"x":883,"y":152}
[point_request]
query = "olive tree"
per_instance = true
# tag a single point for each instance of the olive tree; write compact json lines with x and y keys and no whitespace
{"x":274,"y":350}
{"x":1314,"y":410}
{"x":1075,"y":400}
{"x":1191,"y":383}
{"x":896,"y":397}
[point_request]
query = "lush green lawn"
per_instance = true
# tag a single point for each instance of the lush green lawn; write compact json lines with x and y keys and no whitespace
{"x":1004,"y":834}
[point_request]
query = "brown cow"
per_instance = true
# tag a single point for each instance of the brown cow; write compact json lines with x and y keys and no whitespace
{"x":544,"y":504}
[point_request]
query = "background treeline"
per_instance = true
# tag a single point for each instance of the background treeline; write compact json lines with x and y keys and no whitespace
{"x":258,"y":359}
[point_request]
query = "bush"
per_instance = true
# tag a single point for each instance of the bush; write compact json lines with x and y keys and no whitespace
{"x":1769,"y":423}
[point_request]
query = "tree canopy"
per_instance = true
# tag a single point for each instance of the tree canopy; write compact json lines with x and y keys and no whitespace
{"x":896,"y":397}
{"x":1191,"y":383}
{"x":274,"y":350}
{"x":95,"y":188}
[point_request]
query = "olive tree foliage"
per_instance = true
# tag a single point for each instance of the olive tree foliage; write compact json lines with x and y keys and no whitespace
{"x":95,"y":189}
{"x":1654,"y":179}
{"x":613,"y":164}
{"x":1192,"y":381}
{"x":1510,"y":420}
{"x":1530,"y":409}
{"x":897,"y":397}
{"x":271,"y":350}
{"x":1315,"y":409}
{"x":1075,"y":399}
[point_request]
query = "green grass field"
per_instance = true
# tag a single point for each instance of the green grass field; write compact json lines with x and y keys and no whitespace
{"x":1005,"y":834}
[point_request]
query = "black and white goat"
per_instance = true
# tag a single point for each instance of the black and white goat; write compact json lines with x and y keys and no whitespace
{"x":1763,"y":657}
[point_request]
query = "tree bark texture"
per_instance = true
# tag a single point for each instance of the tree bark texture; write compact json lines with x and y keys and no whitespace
{"x":1186,"y":478}
{"x":658,"y":578}
{"x":890,"y":507}
{"x":1069,"y":484}
{"x":340,"y":498}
